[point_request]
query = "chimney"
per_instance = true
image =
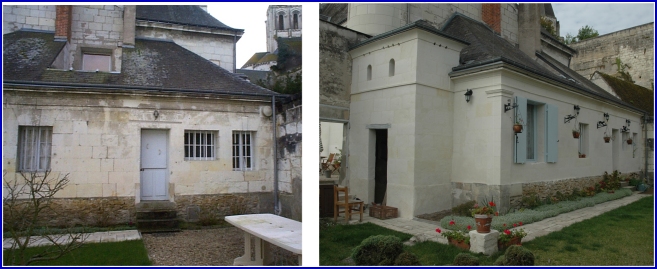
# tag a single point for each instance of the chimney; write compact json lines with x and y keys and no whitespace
{"x":491,"y":15}
{"x":129,"y":18}
{"x":63,"y":17}
{"x":529,"y":29}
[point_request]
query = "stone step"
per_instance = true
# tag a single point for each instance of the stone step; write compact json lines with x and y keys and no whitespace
{"x":159,"y":225}
{"x":156,"y":215}
{"x":632,"y":188}
{"x":147,"y":206}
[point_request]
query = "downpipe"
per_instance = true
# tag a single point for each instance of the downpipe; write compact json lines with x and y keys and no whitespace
{"x":277,"y":206}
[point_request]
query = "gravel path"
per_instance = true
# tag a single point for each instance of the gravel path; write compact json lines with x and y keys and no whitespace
{"x":218,"y":246}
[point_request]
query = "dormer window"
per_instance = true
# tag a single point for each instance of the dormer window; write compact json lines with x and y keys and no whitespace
{"x":96,"y":62}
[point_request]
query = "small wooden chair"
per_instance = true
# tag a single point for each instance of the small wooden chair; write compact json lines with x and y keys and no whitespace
{"x":341,"y":199}
{"x":326,"y":164}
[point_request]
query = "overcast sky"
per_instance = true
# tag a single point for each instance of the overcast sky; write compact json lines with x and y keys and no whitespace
{"x":603,"y":17}
{"x":248,"y":16}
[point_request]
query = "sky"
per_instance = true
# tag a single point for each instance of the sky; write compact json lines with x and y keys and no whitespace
{"x":248,"y":16}
{"x":603,"y":17}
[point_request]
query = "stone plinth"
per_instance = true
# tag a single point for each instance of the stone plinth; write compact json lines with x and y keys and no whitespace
{"x":484,"y":243}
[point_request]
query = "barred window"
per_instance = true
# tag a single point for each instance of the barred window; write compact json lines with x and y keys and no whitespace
{"x":243,"y":151}
{"x":200,"y":145}
{"x":34,"y":147}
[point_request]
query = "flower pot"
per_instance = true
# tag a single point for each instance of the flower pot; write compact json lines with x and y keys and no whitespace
{"x":459,"y":244}
{"x":517,"y":128}
{"x":327,"y":173}
{"x":607,"y":139}
{"x":575,"y":134}
{"x":513,"y":241}
{"x":629,"y":141}
{"x":483,"y":223}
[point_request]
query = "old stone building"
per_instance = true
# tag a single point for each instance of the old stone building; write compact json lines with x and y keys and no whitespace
{"x":139,"y":104}
{"x":428,"y":94}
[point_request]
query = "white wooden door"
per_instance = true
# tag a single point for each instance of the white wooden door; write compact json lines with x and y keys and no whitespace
{"x":154,"y":155}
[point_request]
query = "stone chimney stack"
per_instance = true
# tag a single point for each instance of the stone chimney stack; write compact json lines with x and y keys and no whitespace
{"x":529,"y":29}
{"x":491,"y":15}
{"x":129,"y":20}
{"x":63,"y":19}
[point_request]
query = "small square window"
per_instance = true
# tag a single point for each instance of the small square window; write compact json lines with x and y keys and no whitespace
{"x":34,"y":148}
{"x":200,"y":145}
{"x":96,"y":62}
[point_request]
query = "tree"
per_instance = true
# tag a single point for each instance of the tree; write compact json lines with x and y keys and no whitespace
{"x":569,"y":39}
{"x":24,"y":200}
{"x":586,"y":32}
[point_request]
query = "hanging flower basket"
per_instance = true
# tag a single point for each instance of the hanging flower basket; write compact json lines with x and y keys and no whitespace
{"x":629,"y":141}
{"x":517,"y":128}
{"x":575,"y":134}
{"x":607,"y":138}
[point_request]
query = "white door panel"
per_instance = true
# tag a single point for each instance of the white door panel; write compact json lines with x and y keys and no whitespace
{"x":154,"y":180}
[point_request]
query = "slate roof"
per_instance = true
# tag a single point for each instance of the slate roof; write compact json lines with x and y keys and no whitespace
{"x":420,"y":24}
{"x":254,"y":75}
{"x":254,"y":59}
{"x":629,"y":92}
{"x":487,"y":47}
{"x":152,"y":64}
{"x":180,"y":14}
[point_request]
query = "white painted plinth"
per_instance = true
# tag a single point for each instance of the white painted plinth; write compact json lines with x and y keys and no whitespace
{"x":484,"y":243}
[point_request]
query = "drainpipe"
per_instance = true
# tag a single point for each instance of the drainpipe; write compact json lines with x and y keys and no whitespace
{"x":234,"y":52}
{"x":277,"y":208}
{"x":645,"y":145}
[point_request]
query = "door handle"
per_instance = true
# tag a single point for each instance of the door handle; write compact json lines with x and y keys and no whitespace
{"x":141,"y":169}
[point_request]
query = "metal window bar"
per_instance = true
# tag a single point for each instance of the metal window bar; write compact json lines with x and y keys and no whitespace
{"x":242,"y":151}
{"x":199,"y":145}
{"x":35,"y":147}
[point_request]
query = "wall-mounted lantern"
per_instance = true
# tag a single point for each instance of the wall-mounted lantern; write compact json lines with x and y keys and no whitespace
{"x":156,"y":114}
{"x":508,"y":106}
{"x":625,"y":129}
{"x":603,"y":123}
{"x":468,"y":95}
{"x":570,"y":117}
{"x":628,"y":122}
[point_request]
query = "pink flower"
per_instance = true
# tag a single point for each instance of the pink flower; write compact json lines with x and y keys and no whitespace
{"x":507,"y":232}
{"x":520,"y":223}
{"x":469,"y":227}
{"x":515,"y":225}
{"x":476,"y":206}
{"x":497,"y":213}
{"x":504,"y":224}
{"x":452,"y":222}
{"x":438,"y":230}
{"x":491,"y":203}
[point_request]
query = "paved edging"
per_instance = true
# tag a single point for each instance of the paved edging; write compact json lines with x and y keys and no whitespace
{"x":423,"y":231}
{"x":98,"y":237}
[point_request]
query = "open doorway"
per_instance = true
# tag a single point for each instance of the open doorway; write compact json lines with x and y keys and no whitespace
{"x":381,"y":166}
{"x":330,"y":150}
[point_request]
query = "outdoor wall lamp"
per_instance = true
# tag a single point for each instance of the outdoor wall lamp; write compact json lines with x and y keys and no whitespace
{"x":624,"y":129}
{"x":508,"y":106}
{"x":628,"y":122}
{"x":570,"y":117}
{"x":156,"y":114}
{"x":468,"y":95}
{"x":604,"y":123}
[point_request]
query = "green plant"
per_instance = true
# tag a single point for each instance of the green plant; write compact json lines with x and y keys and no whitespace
{"x":531,"y":200}
{"x":457,"y":235}
{"x":517,"y":255}
{"x":487,"y":209}
{"x":407,"y":258}
{"x":548,"y":25}
{"x":499,"y":261}
{"x":465,"y":259}
{"x":610,"y":182}
{"x":463,"y":209}
{"x":507,"y":235}
{"x":377,"y":250}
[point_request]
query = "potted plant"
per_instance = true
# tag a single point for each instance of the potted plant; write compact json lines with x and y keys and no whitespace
{"x":575,"y":133}
{"x":629,"y":141}
{"x":606,"y":137}
{"x":509,"y":237}
{"x":517,"y":127}
{"x":337,"y":160}
{"x":483,"y":216}
{"x":582,"y":155}
{"x":457,"y":238}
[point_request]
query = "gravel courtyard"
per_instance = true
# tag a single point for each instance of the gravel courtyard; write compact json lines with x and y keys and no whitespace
{"x":218,"y":246}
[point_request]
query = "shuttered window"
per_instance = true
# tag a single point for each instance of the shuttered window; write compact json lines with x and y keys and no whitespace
{"x":525,"y":147}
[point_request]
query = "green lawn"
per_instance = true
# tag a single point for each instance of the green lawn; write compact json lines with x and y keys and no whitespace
{"x":112,"y":253}
{"x":623,"y":236}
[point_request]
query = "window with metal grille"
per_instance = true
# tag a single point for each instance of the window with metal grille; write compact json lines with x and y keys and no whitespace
{"x":34,"y":147}
{"x":243,"y":150}
{"x":200,"y":145}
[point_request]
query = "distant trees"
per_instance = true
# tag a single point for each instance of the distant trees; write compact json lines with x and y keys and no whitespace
{"x":585,"y":32}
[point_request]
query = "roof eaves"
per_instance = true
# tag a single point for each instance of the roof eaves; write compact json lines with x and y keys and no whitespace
{"x":416,"y":24}
{"x":190,"y":24}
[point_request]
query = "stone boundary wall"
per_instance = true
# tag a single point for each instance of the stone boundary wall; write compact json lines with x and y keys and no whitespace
{"x":288,"y":157}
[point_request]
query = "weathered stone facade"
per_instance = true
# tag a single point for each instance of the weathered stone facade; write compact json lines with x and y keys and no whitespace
{"x":289,"y":134}
{"x":31,"y":17}
{"x":634,"y":47}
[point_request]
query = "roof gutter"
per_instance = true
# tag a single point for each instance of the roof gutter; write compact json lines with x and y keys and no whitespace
{"x":19,"y":83}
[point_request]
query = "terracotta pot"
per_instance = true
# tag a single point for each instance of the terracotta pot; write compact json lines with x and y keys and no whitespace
{"x":483,"y":223}
{"x":512,"y":241}
{"x":607,"y":139}
{"x":517,"y":128}
{"x":461,"y":244}
{"x":575,"y":134}
{"x":629,"y":141}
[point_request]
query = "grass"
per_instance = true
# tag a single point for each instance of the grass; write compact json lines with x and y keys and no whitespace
{"x":623,"y":236}
{"x":112,"y":253}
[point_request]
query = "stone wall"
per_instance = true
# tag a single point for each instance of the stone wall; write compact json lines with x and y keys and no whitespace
{"x":633,"y":46}
{"x":289,"y":134}
{"x":34,"y":17}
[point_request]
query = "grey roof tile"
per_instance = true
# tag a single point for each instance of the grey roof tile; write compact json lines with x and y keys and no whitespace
{"x":180,"y":14}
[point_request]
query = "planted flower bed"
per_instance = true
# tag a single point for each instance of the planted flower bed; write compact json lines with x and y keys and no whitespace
{"x":527,"y":216}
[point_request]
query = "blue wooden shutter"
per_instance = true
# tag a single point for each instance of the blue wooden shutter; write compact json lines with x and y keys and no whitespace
{"x":521,"y":143}
{"x":552,"y":133}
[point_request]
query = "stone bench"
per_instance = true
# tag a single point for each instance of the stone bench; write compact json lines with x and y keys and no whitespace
{"x":266,"y":228}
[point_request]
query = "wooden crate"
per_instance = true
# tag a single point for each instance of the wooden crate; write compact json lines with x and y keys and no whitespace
{"x":383,"y":212}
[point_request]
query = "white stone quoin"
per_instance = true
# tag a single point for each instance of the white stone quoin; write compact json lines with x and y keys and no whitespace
{"x":484,"y":243}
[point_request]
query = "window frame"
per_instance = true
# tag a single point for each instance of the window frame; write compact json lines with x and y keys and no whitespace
{"x":109,"y":61}
{"x":191,"y":146}
{"x":533,"y":132}
{"x":582,"y":146}
{"x":391,"y":68}
{"x":240,"y":146}
{"x":39,"y":150}
{"x":369,"y":72}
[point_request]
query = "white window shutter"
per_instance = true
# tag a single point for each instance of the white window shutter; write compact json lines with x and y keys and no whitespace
{"x":552,"y":133}
{"x":520,"y":154}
